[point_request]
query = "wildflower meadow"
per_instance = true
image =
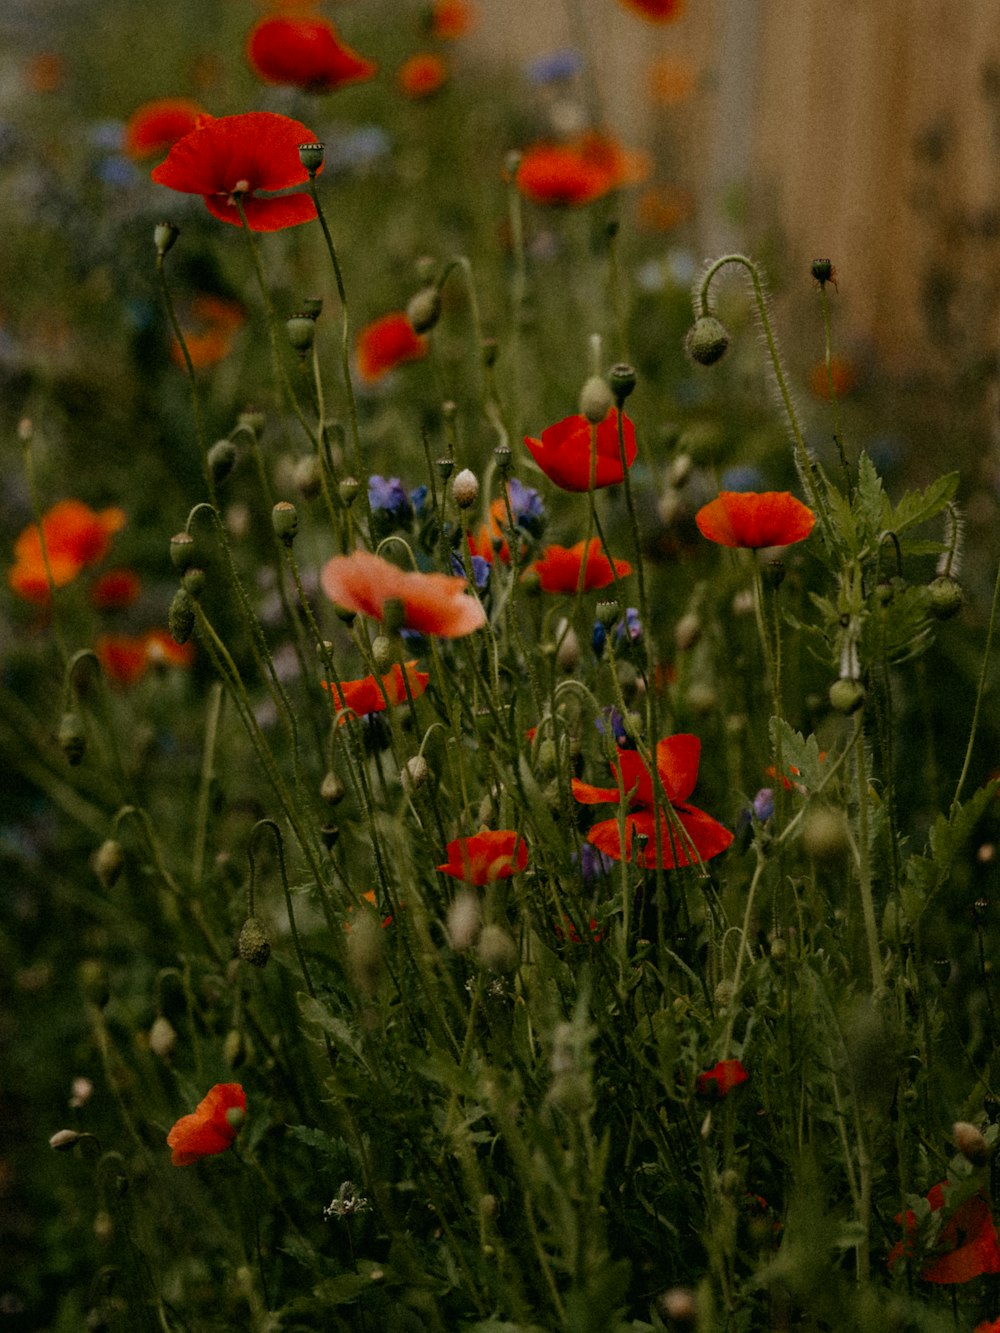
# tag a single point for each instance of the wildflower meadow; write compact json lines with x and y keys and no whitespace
{"x":497,"y":715}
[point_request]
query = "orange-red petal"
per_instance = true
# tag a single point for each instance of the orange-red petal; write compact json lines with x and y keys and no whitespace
{"x":304,"y":53}
{"x":755,"y":519}
{"x":566,"y":451}
{"x":154,"y":128}
{"x":432,"y":603}
{"x":422,"y":74}
{"x":559,"y":568}
{"x":369,"y":696}
{"x":208,"y":1129}
{"x":485,"y":857}
{"x":386,"y":343}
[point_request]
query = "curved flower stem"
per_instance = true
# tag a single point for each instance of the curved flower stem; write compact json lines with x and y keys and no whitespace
{"x":213,"y":712}
{"x":289,"y":905}
{"x":980,"y":691}
{"x":199,"y":420}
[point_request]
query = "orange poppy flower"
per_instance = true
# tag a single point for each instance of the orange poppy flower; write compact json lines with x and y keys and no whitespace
{"x":430,"y":603}
{"x":211,"y":1128}
{"x":844,"y":378}
{"x":752,"y":519}
{"x":450,"y":19}
{"x":75,"y":537}
{"x":209,"y":326}
{"x":966,"y":1247}
{"x":656,"y":11}
{"x":422,"y":74}
{"x":116,"y":589}
{"x":677,"y":764}
{"x":154,"y":128}
{"x":126,"y":658}
{"x":580,"y":171}
{"x":237,"y":155}
{"x":368,"y":696}
{"x":720,"y":1080}
{"x":664,"y":207}
{"x":306,"y":53}
{"x":559,"y":568}
{"x":385,"y":344}
{"x":485,"y":857}
{"x":990,"y":1326}
{"x":163,"y":650}
{"x":565,"y":453}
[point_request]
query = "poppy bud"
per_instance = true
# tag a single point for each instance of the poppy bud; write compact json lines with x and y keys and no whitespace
{"x":104,"y":1226}
{"x":164,"y":235}
{"x":846,"y":696}
{"x":63,"y":1139}
{"x":221,"y":460}
{"x":568,"y":652}
{"x":181,"y":550}
{"x":71,"y":737}
{"x":970,"y":1143}
{"x":548,"y":758}
{"x":414,"y":773}
{"x":301,"y":332}
{"x":622,"y":379}
{"x":945,"y":597}
{"x":596,"y":399}
{"x":308,"y":476}
{"x":424,"y":309}
{"x":331,"y":789}
{"x":193,"y":581}
{"x":312,"y":307}
{"x":502,"y":454}
{"x":251,"y":419}
{"x":348,"y":490}
{"x":706,"y":340}
{"x":253,"y":945}
{"x":162,"y":1037}
{"x":285,"y":521}
{"x":311,"y":156}
{"x":108,"y":862}
{"x":382,"y":651}
{"x":180,"y":617}
{"x":680,"y":470}
{"x":679,"y":1304}
{"x":687,"y":631}
{"x":465,"y":489}
{"x":234,"y":1048}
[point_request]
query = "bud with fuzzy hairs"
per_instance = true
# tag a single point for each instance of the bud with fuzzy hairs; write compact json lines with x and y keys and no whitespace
{"x":162,"y":1037}
{"x":464,"y":918}
{"x":706,"y":340}
{"x":253,"y":945}
{"x":108,"y":862}
{"x":596,"y":399}
{"x":465,"y":489}
{"x":414,"y":773}
{"x":970,"y":1142}
{"x":424,"y":309}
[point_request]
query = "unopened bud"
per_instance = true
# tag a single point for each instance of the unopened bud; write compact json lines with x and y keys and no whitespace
{"x":251,"y":419}
{"x":465,"y":489}
{"x":679,"y":1304}
{"x":331,"y":789}
{"x":311,"y":156}
{"x":497,"y":951}
{"x":383,"y":651}
{"x":825,"y":835}
{"x":846,"y":696}
{"x":414,"y":773}
{"x":108,"y":862}
{"x":193,"y":581}
{"x":234,"y":1048}
{"x":104,"y":1226}
{"x":970,"y":1142}
{"x":221,"y":459}
{"x":72,"y":738}
{"x":568,"y":652}
{"x":944,"y":597}
{"x":181,"y":616}
{"x":680,"y":470}
{"x":63,"y":1139}
{"x":162,"y":1037}
{"x":424,"y":309}
{"x":253,"y":945}
{"x":164,"y":235}
{"x":687,"y":631}
{"x":301,"y":332}
{"x":596,"y":399}
{"x":308,"y":476}
{"x":706,"y":340}
{"x":285,"y":521}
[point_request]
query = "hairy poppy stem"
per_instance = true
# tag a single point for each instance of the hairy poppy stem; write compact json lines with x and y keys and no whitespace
{"x":199,"y":420}
{"x":838,"y":434}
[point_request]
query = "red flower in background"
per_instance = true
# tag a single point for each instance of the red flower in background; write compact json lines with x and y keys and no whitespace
{"x":154,"y":128}
{"x":565,"y":453}
{"x":656,"y":11}
{"x":305,"y":53}
{"x":126,"y":658}
{"x":115,"y":589}
{"x":450,"y":19}
{"x":966,"y":1246}
{"x":422,"y":75}
{"x":387,"y":343}
{"x":752,"y":519}
{"x":720,"y":1080}
{"x":238,"y":155}
{"x":368,"y":696}
{"x":75,"y":537}
{"x":430,"y":603}
{"x":559,"y":568}
{"x":211,"y":1128}
{"x":209,"y":325}
{"x":485,"y":857}
{"x":580,"y":171}
{"x":677,"y":764}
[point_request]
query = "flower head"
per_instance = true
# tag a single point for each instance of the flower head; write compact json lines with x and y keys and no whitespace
{"x":431,"y":603}
{"x":209,"y":325}
{"x":449,"y":19}
{"x":126,"y":658}
{"x":154,"y":128}
{"x":686,"y":834}
{"x":211,"y":1128}
{"x":578,"y":172}
{"x":566,"y":451}
{"x":560,"y":568}
{"x":966,"y":1247}
{"x":387,"y":497}
{"x":720,"y":1080}
{"x":75,"y":537}
{"x":236,"y":156}
{"x":422,"y":74}
{"x":387,"y":343}
{"x":305,"y":53}
{"x":116,"y":589}
{"x":372,"y":694}
{"x":755,"y":519}
{"x":485,"y":857}
{"x":656,"y":11}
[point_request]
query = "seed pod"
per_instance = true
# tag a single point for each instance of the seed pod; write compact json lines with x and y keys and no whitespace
{"x":301,"y":333}
{"x":193,"y":581}
{"x":846,"y":696}
{"x":970,"y":1142}
{"x":253,"y":945}
{"x":181,"y":550}
{"x":164,"y":235}
{"x":311,"y":156}
{"x":285,"y":521}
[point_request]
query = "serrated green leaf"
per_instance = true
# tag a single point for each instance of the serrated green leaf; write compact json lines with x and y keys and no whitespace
{"x":868,"y":502}
{"x":314,"y":1012}
{"x":800,"y":759}
{"x":917,"y":507}
{"x":924,"y":875}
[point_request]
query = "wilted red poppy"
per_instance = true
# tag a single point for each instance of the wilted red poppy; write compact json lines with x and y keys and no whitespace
{"x":209,"y":326}
{"x":305,"y":53}
{"x":237,"y":155}
{"x":449,"y":19}
{"x":565,"y":453}
{"x":422,"y":74}
{"x":752,"y":519}
{"x":685,"y":833}
{"x":115,"y":589}
{"x":430,"y":603}
{"x":656,"y":11}
{"x":75,"y":537}
{"x":720,"y":1080}
{"x":579,"y":171}
{"x":559,"y":568}
{"x":385,"y":344}
{"x":154,"y":128}
{"x":966,"y":1247}
{"x":567,"y":930}
{"x":211,"y":1128}
{"x":485,"y":857}
{"x":368,"y":696}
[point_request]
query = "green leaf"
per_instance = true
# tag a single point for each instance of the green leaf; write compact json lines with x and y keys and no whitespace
{"x":924,"y":875}
{"x":869,"y":499}
{"x":335,"y":1028}
{"x":800,"y":760}
{"x":919,"y":506}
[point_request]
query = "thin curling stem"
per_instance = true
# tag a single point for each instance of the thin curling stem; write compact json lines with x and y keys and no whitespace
{"x":289,"y":906}
{"x":199,"y":420}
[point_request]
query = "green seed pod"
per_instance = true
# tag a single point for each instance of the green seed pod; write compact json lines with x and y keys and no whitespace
{"x":311,"y":156}
{"x":253,"y":945}
{"x":285,"y":521}
{"x":72,"y":738}
{"x":193,"y":581}
{"x":502,"y":453}
{"x":706,"y":340}
{"x":608,"y":612}
{"x":181,"y":550}
{"x":945,"y":597}
{"x":348,"y":490}
{"x":301,"y":333}
{"x":445,"y":466}
{"x":846,"y":696}
{"x":181,"y":616}
{"x":312,"y":307}
{"x":329,"y":836}
{"x":221,"y":460}
{"x":822,"y":270}
{"x":622,"y":378}
{"x":424,"y":309}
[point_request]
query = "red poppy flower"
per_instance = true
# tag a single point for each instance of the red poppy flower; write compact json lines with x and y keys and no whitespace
{"x":126,"y":658}
{"x":559,"y":568}
{"x":305,"y":53}
{"x":368,"y":696}
{"x":491,"y":532}
{"x":990,"y":1326}
{"x":431,"y":603}
{"x":209,"y":326}
{"x":422,"y":75}
{"x":656,"y":11}
{"x":565,"y":453}
{"x":163,"y":650}
{"x":154,"y":128}
{"x":240,"y":155}
{"x":75,"y":537}
{"x":752,"y":519}
{"x":720,"y":1080}
{"x":116,"y":589}
{"x":677,"y":764}
{"x":450,"y":19}
{"x":580,"y":171}
{"x":211,"y":1128}
{"x":967,"y":1246}
{"x":385,"y":344}
{"x":485,"y":857}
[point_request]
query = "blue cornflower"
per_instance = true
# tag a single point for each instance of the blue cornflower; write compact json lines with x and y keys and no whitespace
{"x":388,"y":499}
{"x":555,"y":66}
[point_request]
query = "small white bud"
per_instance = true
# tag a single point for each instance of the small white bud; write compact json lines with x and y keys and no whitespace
{"x":465,"y":489}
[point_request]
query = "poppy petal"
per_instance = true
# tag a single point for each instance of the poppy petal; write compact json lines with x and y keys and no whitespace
{"x":287,"y":210}
{"x":755,"y":519}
